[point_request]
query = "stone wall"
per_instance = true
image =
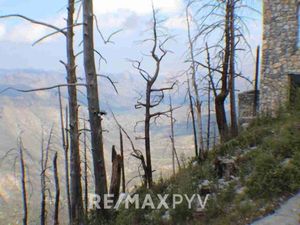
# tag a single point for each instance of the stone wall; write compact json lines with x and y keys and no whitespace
{"x":246,"y":106}
{"x":281,"y":55}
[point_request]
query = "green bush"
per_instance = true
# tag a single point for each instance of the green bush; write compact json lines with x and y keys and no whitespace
{"x":271,"y":178}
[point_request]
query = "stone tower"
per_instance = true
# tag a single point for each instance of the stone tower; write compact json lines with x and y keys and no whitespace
{"x":281,"y":53}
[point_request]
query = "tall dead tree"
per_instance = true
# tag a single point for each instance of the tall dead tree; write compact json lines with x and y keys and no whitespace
{"x":93,"y":99}
{"x":75,"y":175}
{"x":23,"y":181}
{"x":65,"y":143}
{"x":233,"y":114}
{"x":193,"y":72}
{"x":76,"y":192}
{"x":153,"y":96}
{"x":172,"y":138}
{"x":255,"y":103}
{"x":224,"y":20}
{"x":43,"y":183}
{"x":44,"y":168}
{"x":86,"y":183}
{"x":221,"y":97}
{"x":221,"y":90}
{"x":123,"y":165}
{"x":208,"y":117}
{"x":191,"y":106}
{"x":57,"y":191}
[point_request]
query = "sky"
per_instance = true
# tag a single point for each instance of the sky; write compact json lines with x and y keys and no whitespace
{"x":132,"y":16}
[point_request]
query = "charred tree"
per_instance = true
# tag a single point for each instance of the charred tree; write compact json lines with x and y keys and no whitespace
{"x":23,"y":182}
{"x":123,"y":165}
{"x":193,"y":72}
{"x":153,"y":96}
{"x":172,"y":137}
{"x":221,"y":97}
{"x":255,"y":104}
{"x":115,"y":174}
{"x":75,"y":175}
{"x":191,"y":105}
{"x":86,"y":183}
{"x":57,"y":191}
{"x":44,"y":167}
{"x":208,"y":118}
{"x":93,"y":99}
{"x":233,"y":114}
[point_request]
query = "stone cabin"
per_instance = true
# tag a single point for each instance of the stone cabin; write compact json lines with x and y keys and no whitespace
{"x":280,"y":63}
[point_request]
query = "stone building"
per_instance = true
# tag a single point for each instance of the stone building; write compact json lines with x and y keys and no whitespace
{"x":280,"y":63}
{"x":280,"y":68}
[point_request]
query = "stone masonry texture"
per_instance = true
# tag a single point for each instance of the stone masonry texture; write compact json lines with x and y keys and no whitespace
{"x":281,"y":53}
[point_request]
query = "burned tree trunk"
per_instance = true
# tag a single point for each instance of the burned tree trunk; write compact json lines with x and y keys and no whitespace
{"x":198,"y":104}
{"x":93,"y":99}
{"x":233,"y":114}
{"x":65,"y":143}
{"x":208,"y":117}
{"x":57,"y":190}
{"x":23,"y":182}
{"x":193,"y":118}
{"x":44,"y":167}
{"x":172,"y":137}
{"x":255,"y":104}
{"x":136,"y":152}
{"x":153,"y":96}
{"x":43,"y":184}
{"x":123,"y":166}
{"x":86,"y":184}
{"x":115,"y":174}
{"x":148,"y":174}
{"x":75,"y":175}
{"x":221,"y":97}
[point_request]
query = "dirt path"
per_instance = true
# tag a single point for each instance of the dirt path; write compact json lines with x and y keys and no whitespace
{"x":287,"y":214}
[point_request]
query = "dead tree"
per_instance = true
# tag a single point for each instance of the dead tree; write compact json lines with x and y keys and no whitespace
{"x":93,"y":99}
{"x":224,"y":19}
{"x":255,"y":104}
{"x":153,"y":96}
{"x":191,"y":106}
{"x":208,"y":117}
{"x":233,"y":114}
{"x":86,"y":183}
{"x":193,"y":72}
{"x":57,"y":191}
{"x":23,"y":181}
{"x":221,"y":97}
{"x":115,"y":174}
{"x":76,"y":201}
{"x":65,"y":143}
{"x":43,"y":183}
{"x":136,"y":152}
{"x":75,"y":175}
{"x":123,"y":165}
{"x":172,"y":138}
{"x":44,"y":168}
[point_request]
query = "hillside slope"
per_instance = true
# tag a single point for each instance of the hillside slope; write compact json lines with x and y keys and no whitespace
{"x":266,"y":172}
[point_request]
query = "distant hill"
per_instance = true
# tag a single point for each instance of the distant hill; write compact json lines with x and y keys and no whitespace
{"x":30,"y":113}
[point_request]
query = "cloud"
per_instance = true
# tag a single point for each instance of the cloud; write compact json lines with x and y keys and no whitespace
{"x":115,"y":14}
{"x":176,"y":23}
{"x":140,"y":7}
{"x":26,"y":32}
